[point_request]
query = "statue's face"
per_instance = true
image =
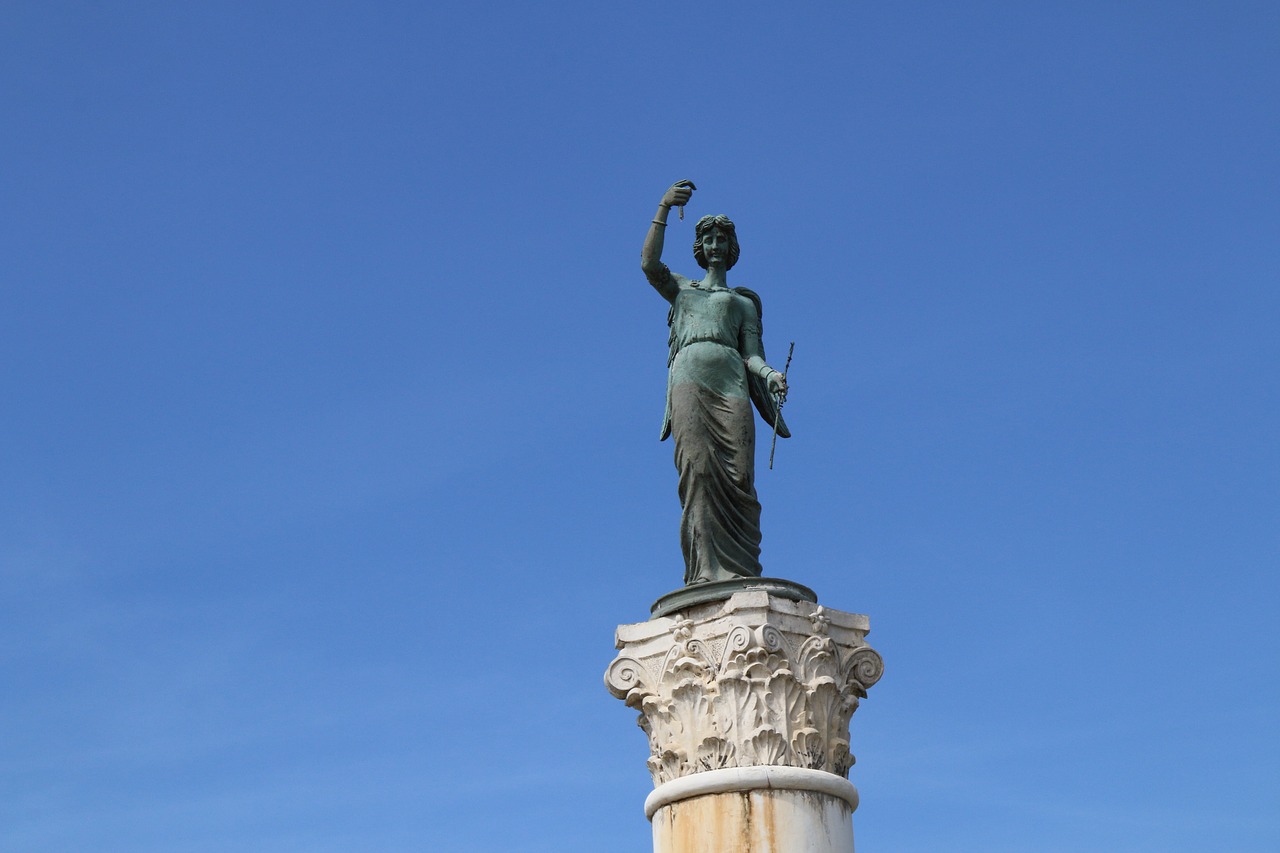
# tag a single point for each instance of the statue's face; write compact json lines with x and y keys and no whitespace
{"x":715,"y":247}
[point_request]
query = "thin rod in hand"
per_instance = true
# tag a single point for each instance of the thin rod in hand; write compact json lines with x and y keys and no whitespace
{"x":778,"y":401}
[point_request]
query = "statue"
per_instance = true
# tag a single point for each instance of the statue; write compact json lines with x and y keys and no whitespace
{"x":716,"y":370}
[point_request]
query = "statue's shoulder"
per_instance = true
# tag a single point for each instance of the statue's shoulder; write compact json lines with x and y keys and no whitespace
{"x":752,"y":297}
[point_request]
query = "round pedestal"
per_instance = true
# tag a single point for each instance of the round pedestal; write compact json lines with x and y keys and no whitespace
{"x":700,"y":593}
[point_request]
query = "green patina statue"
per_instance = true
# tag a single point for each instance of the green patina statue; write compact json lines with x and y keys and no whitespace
{"x":717,"y":370}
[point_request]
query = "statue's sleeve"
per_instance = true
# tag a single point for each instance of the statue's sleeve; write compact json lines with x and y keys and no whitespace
{"x":664,"y":281}
{"x":753,"y":326}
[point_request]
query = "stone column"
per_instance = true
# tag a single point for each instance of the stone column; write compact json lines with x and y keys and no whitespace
{"x":746,"y":702}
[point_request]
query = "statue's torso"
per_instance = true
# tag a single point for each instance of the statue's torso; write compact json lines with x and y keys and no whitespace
{"x":705,"y":329}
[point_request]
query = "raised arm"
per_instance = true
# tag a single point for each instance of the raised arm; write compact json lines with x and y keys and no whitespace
{"x":651,"y":255}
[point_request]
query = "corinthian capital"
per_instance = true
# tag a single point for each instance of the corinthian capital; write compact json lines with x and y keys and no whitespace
{"x":754,"y":680}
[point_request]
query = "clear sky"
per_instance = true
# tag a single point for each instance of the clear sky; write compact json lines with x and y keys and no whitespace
{"x":332,"y":387}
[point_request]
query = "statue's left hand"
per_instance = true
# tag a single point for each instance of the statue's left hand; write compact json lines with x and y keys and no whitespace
{"x":778,"y":385}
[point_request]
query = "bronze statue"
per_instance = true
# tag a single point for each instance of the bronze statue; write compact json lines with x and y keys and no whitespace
{"x":716,"y":370}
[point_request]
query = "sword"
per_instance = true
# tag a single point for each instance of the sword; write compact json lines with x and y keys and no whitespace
{"x":779,"y":399}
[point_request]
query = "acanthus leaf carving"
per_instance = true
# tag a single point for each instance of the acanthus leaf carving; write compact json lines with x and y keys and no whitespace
{"x":728,"y":692}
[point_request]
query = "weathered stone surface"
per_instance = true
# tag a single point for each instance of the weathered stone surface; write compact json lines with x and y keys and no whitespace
{"x":757,"y":821}
{"x":751,"y":681}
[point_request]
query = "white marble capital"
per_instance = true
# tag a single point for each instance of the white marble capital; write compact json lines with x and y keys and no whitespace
{"x":751,"y":681}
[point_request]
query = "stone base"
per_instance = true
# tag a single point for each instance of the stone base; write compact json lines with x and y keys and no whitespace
{"x":701,"y":593}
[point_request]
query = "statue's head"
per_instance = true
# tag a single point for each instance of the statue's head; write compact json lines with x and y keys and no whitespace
{"x":708,"y":224}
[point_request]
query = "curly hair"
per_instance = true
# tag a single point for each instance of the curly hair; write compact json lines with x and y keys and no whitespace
{"x":704,"y":225}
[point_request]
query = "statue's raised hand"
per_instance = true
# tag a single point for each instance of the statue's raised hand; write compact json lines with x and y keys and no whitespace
{"x":679,"y":194}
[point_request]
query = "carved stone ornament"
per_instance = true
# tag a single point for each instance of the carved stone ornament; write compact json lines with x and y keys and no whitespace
{"x":755,"y":680}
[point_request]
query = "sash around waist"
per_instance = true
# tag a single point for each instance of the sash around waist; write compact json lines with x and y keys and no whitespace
{"x":676,"y":350}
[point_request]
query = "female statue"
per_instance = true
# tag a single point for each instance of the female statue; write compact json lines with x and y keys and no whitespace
{"x":716,"y":370}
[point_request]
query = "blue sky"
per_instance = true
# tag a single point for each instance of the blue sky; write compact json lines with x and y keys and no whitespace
{"x":329,"y":428}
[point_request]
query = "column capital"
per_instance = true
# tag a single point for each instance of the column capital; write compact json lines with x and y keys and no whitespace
{"x":756,"y":680}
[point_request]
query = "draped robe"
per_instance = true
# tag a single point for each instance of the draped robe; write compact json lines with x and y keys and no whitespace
{"x":709,"y":399}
